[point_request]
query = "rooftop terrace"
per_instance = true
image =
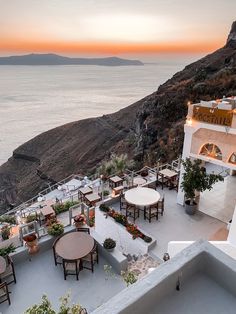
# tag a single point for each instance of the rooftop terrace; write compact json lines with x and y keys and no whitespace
{"x":41,"y":276}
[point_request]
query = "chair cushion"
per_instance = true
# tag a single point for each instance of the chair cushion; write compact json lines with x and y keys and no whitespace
{"x":3,"y":292}
{"x":71,"y":266}
{"x":87,"y":258}
{"x":7,"y":272}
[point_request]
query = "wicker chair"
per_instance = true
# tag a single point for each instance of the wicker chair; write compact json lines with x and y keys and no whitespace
{"x":132,"y":211}
{"x":89,"y":260}
{"x":9,"y":275}
{"x":152,"y":212}
{"x":71,"y":268}
{"x":4,"y":293}
{"x":161,"y":205}
{"x":57,"y":258}
{"x":81,"y":229}
{"x":123,"y":203}
{"x":161,"y":180}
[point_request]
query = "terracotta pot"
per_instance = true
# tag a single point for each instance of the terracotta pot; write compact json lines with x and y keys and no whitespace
{"x":79,"y":224}
{"x":32,"y":243}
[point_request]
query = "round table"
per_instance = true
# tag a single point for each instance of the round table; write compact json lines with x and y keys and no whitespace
{"x":74,"y":245}
{"x":142,"y":196}
{"x":139,"y":181}
{"x":3,"y":265}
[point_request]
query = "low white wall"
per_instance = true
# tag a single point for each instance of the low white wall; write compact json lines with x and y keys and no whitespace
{"x":232,"y":230}
{"x":108,"y":228}
{"x":13,"y":240}
{"x":174,"y":247}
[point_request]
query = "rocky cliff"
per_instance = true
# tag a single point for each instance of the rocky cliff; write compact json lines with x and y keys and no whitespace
{"x":148,"y":130}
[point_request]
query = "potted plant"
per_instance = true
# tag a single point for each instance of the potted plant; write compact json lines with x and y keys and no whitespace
{"x":31,"y":240}
{"x":79,"y":220}
{"x":109,"y":244}
{"x":7,"y":250}
{"x":56,"y":229}
{"x":144,"y":172}
{"x":104,"y":208}
{"x":6,"y":232}
{"x":195,"y":179}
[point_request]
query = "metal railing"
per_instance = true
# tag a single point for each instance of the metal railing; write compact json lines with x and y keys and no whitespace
{"x":127,"y":176}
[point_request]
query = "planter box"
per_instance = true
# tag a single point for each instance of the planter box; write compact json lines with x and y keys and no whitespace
{"x":109,"y":228}
{"x":115,"y":258}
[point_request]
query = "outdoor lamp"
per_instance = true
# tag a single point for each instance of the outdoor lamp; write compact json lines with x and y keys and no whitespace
{"x":39,"y":199}
{"x":166,"y":257}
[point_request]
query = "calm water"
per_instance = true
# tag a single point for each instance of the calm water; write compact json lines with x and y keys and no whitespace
{"x":36,"y":99}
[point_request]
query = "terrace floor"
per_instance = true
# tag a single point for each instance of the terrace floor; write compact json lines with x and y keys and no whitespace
{"x":176,"y":225}
{"x":220,"y":201}
{"x":40,"y":276}
{"x":199,"y":294}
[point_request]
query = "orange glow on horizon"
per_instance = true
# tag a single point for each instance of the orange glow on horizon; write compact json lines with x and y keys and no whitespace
{"x":18,"y":46}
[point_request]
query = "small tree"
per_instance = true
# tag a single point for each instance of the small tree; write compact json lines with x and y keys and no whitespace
{"x":121,"y":163}
{"x":195,"y":178}
{"x":45,"y":307}
{"x":116,"y":165}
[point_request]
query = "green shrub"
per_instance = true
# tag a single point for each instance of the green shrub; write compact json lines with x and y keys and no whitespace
{"x":7,"y":250}
{"x":56,"y":229}
{"x":45,"y":307}
{"x":129,"y":277}
{"x":31,"y":217}
{"x":104,"y":208}
{"x":60,"y":208}
{"x":9,"y":219}
{"x":120,"y":218}
{"x":147,"y":239}
{"x":106,"y":192}
{"x":5,"y":232}
{"x":109,"y":244}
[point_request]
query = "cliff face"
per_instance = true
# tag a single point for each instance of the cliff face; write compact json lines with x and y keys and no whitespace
{"x":148,"y":130}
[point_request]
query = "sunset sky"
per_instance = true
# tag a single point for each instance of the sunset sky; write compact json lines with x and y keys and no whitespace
{"x":105,"y":27}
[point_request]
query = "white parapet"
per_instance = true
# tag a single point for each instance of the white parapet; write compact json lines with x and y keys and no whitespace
{"x":232,"y":230}
{"x":175,"y":247}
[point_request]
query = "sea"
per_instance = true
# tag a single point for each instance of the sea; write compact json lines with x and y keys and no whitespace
{"x":34,"y":99}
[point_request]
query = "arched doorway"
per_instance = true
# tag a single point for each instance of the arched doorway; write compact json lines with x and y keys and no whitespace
{"x":232,"y":158}
{"x":211,"y":150}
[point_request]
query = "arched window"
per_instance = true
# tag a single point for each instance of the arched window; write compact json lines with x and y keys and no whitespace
{"x":211,"y":150}
{"x":232,"y":158}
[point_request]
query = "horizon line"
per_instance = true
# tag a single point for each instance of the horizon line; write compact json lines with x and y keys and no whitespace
{"x":8,"y":46}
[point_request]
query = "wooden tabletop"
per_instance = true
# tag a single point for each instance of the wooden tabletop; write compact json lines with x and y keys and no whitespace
{"x":3,"y":265}
{"x":116,"y":179}
{"x":74,"y":245}
{"x":168,"y":173}
{"x":47,"y":210}
{"x":85,"y":190}
{"x":142,"y":196}
{"x":93,"y":197}
{"x":139,"y":181}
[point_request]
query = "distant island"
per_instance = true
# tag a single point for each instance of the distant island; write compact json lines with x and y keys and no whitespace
{"x":53,"y":59}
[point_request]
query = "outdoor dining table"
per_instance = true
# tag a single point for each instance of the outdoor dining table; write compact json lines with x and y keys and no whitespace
{"x":115,"y":181}
{"x":170,"y":175}
{"x":84,"y":191}
{"x":92,"y":198}
{"x":139,"y":181}
{"x":74,"y":245}
{"x":47,"y":211}
{"x":142,"y":197}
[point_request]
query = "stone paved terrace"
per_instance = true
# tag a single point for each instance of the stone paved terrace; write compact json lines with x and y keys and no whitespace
{"x":176,"y":225}
{"x":41,"y":276}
